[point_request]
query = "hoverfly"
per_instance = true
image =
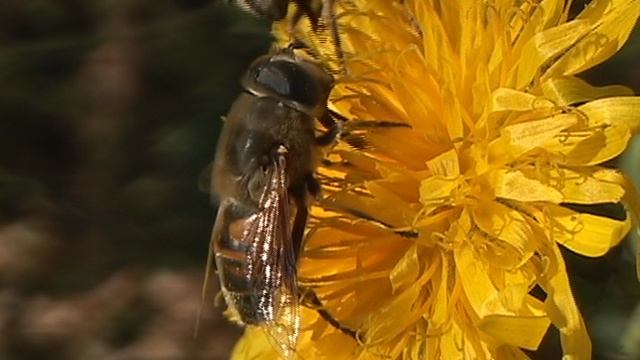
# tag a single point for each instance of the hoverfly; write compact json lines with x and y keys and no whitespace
{"x":263,"y":173}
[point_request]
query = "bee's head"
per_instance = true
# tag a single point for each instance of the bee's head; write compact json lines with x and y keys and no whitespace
{"x":298,"y":83}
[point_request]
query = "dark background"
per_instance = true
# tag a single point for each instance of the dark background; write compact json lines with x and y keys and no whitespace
{"x":109,"y":114}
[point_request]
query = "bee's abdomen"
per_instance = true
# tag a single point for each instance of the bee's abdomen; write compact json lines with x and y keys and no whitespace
{"x":238,"y":287}
{"x":239,"y":291}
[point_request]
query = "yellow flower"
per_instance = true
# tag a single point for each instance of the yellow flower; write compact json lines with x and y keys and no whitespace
{"x":441,"y":240}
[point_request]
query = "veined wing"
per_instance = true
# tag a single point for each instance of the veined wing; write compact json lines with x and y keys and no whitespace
{"x":209,"y":274}
{"x":271,"y":263}
{"x":256,"y":260}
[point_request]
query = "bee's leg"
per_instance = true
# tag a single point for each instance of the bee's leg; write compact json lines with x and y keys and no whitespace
{"x":310,"y":186}
{"x":297,"y":233}
{"x":311,"y":300}
{"x":304,"y":8}
{"x":329,"y":137}
{"x":329,"y":14}
{"x":299,"y":224}
{"x":354,"y":132}
{"x":313,"y":186}
{"x":334,"y":128}
{"x":300,"y":44}
{"x":336,"y":124}
{"x":299,"y":193}
{"x":295,"y":19}
{"x":327,"y":120}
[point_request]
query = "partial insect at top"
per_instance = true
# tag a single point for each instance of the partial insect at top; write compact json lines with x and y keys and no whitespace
{"x":321,"y":15}
{"x":275,"y":10}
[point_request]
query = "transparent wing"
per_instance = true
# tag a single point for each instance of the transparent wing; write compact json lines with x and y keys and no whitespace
{"x":209,"y":274}
{"x":271,"y":263}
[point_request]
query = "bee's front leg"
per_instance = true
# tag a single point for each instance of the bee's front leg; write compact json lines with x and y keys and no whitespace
{"x":334,"y":129}
{"x":299,"y":194}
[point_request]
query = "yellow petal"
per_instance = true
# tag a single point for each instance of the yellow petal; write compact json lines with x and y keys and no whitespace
{"x":440,"y":316}
{"x":416,"y":348}
{"x":585,"y":234}
{"x":545,"y":14}
{"x":521,"y":328}
{"x":395,"y":204}
{"x":606,"y":133}
{"x":416,"y":102}
{"x":568,"y":90}
{"x":332,"y":345}
{"x":522,"y":331}
{"x":579,"y":186}
{"x":450,"y":344}
{"x":545,"y":45}
{"x":513,"y":296}
{"x":497,"y":253}
{"x":584,"y":147}
{"x":406,"y":270}
{"x":504,"y":223}
{"x":383,"y":206}
{"x":445,"y":165}
{"x":254,"y":345}
{"x":413,"y":152}
{"x":401,"y":182}
{"x":458,"y":343}
{"x":510,"y":353}
{"x":506,"y":99}
{"x":588,"y":186}
{"x":518,"y":139}
{"x":456,"y":115}
{"x":475,"y":282}
{"x":612,"y":21}
{"x":406,"y":305}
{"x":434,"y":189}
{"x":520,"y":186}
{"x":562,"y":308}
{"x":617,"y":111}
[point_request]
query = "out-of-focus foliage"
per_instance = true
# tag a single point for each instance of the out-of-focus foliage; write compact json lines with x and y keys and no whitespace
{"x":109,"y":113}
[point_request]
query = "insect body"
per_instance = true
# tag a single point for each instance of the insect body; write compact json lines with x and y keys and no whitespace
{"x":263,"y":175}
{"x":275,"y":10}
{"x":319,"y":13}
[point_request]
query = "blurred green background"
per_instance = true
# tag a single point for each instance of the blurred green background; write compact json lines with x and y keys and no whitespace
{"x":109,"y":114}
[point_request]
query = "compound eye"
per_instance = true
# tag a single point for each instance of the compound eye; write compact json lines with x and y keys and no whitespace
{"x":290,"y":81}
{"x":275,"y":79}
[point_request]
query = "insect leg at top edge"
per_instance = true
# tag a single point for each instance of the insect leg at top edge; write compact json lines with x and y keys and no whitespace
{"x":329,"y":13}
{"x":318,"y":12}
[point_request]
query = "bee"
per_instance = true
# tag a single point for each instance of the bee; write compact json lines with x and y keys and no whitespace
{"x":263,"y":174}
